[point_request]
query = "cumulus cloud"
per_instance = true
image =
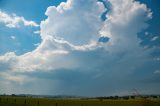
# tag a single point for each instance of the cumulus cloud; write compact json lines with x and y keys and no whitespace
{"x":81,"y":24}
{"x":70,"y":48}
{"x":14,"y":21}
{"x":123,"y":20}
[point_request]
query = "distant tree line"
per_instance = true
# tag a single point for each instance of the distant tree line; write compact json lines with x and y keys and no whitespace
{"x":127,"y":97}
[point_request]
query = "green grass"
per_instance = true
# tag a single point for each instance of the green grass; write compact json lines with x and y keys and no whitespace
{"x":20,"y":101}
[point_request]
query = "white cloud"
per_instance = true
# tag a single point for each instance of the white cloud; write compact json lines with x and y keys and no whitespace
{"x":124,"y":13}
{"x":77,"y":28}
{"x":14,"y":21}
{"x":125,"y":21}
{"x":14,"y":78}
{"x":154,"y":38}
{"x":69,"y":42}
{"x":65,"y":26}
{"x":13,"y":37}
{"x":37,"y":32}
{"x":8,"y":56}
{"x":37,"y":44}
{"x":8,"y":61}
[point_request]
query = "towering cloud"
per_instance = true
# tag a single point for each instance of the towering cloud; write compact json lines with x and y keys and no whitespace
{"x":73,"y":22}
{"x":70,"y":49}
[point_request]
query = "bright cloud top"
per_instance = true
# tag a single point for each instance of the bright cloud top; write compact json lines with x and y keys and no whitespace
{"x":81,"y":24}
{"x":70,"y":47}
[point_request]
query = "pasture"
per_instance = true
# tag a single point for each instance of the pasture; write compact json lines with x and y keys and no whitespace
{"x":23,"y":101}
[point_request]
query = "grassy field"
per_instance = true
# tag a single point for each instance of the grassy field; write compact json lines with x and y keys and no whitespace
{"x":20,"y":101}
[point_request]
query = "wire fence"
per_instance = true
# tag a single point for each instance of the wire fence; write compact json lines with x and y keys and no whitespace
{"x":25,"y":102}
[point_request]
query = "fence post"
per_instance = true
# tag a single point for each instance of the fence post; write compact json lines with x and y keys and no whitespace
{"x":82,"y":104}
{"x":7,"y":101}
{"x":38,"y":103}
{"x":15,"y":101}
{"x":25,"y":102}
{"x":56,"y":104}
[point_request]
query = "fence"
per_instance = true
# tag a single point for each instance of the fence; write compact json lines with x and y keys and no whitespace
{"x":15,"y":102}
{"x":26,"y":102}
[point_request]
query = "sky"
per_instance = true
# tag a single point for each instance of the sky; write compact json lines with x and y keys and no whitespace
{"x":79,"y":47}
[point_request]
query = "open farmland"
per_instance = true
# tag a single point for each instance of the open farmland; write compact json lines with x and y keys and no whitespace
{"x":22,"y":101}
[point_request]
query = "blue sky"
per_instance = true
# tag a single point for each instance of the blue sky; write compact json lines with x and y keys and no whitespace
{"x":25,"y":37}
{"x":30,"y":10}
{"x":79,"y":47}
